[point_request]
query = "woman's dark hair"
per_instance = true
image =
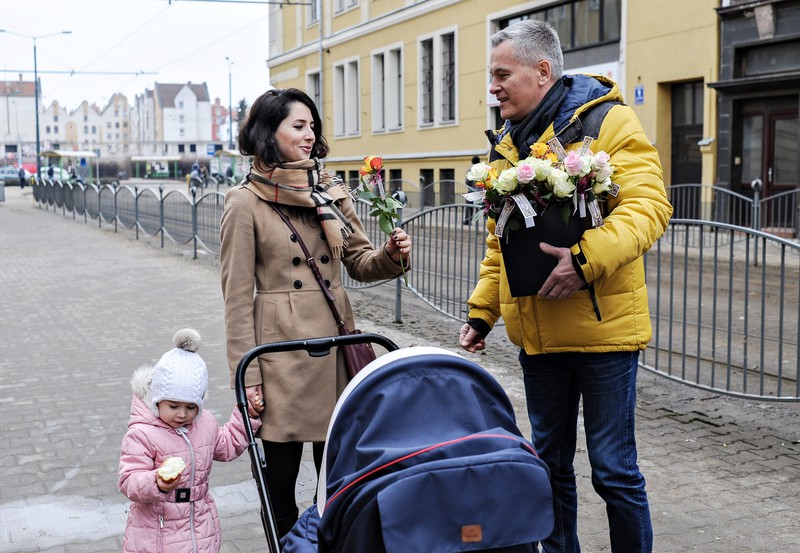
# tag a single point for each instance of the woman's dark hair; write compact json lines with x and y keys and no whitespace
{"x":257,"y":135}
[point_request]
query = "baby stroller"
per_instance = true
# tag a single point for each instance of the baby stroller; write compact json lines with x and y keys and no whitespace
{"x":422,"y":455}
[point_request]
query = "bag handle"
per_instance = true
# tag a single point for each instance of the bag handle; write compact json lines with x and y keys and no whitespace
{"x":314,"y":269}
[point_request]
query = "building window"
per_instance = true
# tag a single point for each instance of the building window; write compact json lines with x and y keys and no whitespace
{"x":387,"y":90}
{"x":55,"y":129}
{"x":448,"y":77}
{"x":108,"y":124}
{"x":94,"y":129}
{"x":314,"y":90}
{"x":181,"y":118}
{"x":346,"y":99}
{"x":47,"y":129}
{"x":180,"y":104}
{"x":85,"y":129}
{"x":426,"y":82}
{"x":342,"y":5}
{"x":437,"y":78}
{"x":55,"y":118}
{"x":181,"y":148}
{"x":192,"y":148}
{"x":579,"y":23}
{"x":313,"y":12}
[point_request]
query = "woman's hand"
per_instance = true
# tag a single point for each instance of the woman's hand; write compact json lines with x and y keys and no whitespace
{"x":255,"y":400}
{"x":399,"y":244}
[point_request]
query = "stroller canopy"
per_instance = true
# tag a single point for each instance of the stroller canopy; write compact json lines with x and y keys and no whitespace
{"x":423,"y":454}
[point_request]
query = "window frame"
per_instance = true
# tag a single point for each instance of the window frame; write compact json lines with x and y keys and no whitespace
{"x":387,"y":91}
{"x":433,"y":116}
{"x":347,"y":98}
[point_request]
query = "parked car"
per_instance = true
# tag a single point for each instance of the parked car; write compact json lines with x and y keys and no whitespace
{"x":10,"y":175}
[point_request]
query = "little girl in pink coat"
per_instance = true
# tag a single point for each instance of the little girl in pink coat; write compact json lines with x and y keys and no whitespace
{"x":168,"y":420}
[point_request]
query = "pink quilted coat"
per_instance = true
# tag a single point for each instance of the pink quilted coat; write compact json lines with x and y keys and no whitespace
{"x":157,"y":522}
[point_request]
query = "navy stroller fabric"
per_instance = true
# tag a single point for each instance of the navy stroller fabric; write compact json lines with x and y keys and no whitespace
{"x":424,"y":454}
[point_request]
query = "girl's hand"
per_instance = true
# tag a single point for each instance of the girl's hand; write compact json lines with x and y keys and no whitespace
{"x":166,"y":487}
{"x":399,"y":244}
{"x":255,"y":400}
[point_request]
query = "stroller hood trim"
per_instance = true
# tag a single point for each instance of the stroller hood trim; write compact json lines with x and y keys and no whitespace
{"x":362,"y":375}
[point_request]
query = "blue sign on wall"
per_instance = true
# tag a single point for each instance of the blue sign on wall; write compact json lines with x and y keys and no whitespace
{"x":638,"y":95}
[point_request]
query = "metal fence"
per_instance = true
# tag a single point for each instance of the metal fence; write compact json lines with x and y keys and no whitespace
{"x":724,"y":299}
{"x":778,"y":214}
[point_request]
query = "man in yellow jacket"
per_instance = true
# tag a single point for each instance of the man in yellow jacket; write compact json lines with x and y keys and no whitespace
{"x":580,"y":336}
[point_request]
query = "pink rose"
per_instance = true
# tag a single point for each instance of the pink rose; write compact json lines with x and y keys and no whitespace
{"x":525,"y":172}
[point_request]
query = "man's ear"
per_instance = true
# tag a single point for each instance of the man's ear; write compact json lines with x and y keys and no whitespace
{"x":544,"y":70}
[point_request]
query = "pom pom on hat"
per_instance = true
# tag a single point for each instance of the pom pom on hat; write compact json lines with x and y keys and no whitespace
{"x":181,"y":374}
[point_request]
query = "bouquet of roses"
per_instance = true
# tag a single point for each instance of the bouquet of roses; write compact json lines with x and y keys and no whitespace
{"x":384,"y":207}
{"x":549,"y":178}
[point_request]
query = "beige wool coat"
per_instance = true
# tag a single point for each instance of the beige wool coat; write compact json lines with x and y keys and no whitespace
{"x":271,"y":295}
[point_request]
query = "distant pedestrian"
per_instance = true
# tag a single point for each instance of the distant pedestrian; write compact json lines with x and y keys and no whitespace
{"x":471,"y":187}
{"x":21,"y":177}
{"x":50,"y":171}
{"x":174,"y":512}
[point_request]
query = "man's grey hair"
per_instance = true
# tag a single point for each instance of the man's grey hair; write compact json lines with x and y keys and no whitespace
{"x":532,"y":41}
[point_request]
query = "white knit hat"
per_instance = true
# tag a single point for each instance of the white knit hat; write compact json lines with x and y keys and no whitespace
{"x":180,"y":374}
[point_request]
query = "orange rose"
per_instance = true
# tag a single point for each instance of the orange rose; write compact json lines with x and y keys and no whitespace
{"x":372,"y":165}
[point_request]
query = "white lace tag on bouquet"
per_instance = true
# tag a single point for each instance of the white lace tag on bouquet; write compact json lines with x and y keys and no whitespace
{"x":508,"y":209}
{"x":587,"y":141}
{"x":557,"y":148}
{"x":526,"y":209}
{"x":597,"y":217}
{"x":581,"y":207}
{"x":614,"y":189}
{"x":474,"y":197}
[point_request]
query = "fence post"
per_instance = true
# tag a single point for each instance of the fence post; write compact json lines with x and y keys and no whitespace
{"x":756,"y":185}
{"x":116,"y":215}
{"x":136,"y":209}
{"x":161,"y":210}
{"x":194,"y":220}
{"x":400,"y":196}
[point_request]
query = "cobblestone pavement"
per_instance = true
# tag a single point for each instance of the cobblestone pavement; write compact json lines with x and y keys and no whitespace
{"x":81,"y":307}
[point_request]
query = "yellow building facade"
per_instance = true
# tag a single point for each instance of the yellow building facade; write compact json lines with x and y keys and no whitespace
{"x":408,"y":80}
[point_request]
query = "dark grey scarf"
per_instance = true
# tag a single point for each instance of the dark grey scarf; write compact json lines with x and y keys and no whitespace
{"x":526,"y":132}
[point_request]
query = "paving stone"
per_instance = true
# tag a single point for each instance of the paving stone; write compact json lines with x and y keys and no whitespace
{"x":82,"y":307}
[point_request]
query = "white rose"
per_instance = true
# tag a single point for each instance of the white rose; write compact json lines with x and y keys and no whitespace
{"x":478,"y":172}
{"x":542,"y":167}
{"x":601,"y":166}
{"x":561,"y":184}
{"x":507,"y":181}
{"x":598,"y":187}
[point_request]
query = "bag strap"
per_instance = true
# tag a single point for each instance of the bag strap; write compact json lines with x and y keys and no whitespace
{"x":314,"y":268}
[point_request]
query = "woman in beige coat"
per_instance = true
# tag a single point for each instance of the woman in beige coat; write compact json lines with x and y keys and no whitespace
{"x":269,"y":290}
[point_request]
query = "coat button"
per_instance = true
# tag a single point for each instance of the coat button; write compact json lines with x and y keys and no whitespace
{"x":298,"y":284}
{"x":327,"y":283}
{"x":322,"y":235}
{"x":324,"y":258}
{"x":296,"y":261}
{"x":293,"y":237}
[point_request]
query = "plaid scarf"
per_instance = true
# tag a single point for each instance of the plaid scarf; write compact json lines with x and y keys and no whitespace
{"x":306,"y":184}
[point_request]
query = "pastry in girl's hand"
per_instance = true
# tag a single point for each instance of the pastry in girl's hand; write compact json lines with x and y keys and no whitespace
{"x":171,"y":468}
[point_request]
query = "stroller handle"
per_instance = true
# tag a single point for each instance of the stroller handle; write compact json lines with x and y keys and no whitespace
{"x":316,"y":347}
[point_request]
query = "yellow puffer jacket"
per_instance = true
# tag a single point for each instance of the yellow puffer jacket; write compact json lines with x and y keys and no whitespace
{"x":611,"y":254}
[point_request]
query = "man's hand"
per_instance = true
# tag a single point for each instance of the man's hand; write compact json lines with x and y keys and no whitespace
{"x":563,"y":281}
{"x":470,"y":340}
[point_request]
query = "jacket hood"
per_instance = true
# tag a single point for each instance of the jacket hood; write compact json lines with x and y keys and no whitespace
{"x":584,"y":92}
{"x":141,"y":381}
